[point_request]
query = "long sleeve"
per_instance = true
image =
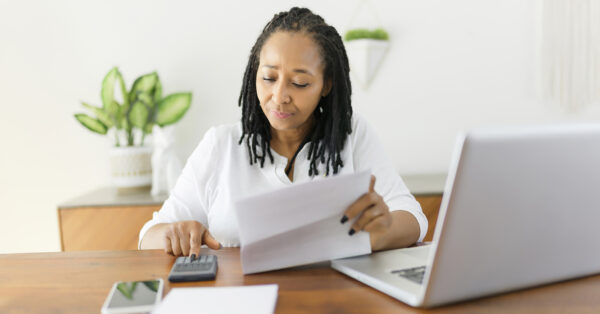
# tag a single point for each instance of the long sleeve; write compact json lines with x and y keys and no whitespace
{"x":190,"y":197}
{"x":368,"y":153}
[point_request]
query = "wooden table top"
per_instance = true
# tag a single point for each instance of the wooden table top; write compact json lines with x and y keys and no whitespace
{"x":78,"y":282}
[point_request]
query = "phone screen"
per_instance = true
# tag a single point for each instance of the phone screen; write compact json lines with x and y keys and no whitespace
{"x":134,"y":293}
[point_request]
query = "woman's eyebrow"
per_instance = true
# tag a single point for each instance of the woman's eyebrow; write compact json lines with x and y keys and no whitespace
{"x":294,"y":70}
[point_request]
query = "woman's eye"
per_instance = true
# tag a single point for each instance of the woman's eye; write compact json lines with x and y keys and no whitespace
{"x":268,"y":79}
{"x":300,"y":85}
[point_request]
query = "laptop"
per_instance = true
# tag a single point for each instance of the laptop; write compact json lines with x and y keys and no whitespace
{"x":520,"y":208}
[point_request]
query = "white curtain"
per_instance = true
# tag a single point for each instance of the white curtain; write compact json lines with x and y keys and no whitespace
{"x":569,"y":52}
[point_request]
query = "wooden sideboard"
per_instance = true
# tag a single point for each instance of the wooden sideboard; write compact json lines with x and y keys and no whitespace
{"x":430,"y":205}
{"x":111,"y":219}
{"x":106,"y":219}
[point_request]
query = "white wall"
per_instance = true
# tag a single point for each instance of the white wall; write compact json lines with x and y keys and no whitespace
{"x":452,"y":65}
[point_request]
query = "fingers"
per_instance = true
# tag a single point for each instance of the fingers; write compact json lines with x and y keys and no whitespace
{"x":367,"y":200}
{"x":372,"y":184}
{"x":167,"y":244}
{"x":372,"y":212}
{"x":186,"y":238}
{"x":366,"y":217}
{"x":175,"y":246}
{"x":195,"y":243}
{"x":210,"y":241}
{"x":184,"y":242}
{"x":364,"y":202}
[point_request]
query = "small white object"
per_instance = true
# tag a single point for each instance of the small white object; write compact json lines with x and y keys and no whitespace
{"x":166,"y":167}
{"x":131,"y":166}
{"x":365,"y":57}
{"x":259,"y":299}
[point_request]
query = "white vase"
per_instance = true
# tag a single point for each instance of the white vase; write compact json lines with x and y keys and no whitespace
{"x":166,"y":167}
{"x":365,"y":57}
{"x":131,"y":166}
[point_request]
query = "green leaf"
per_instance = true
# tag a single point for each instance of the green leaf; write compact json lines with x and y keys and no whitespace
{"x":127,"y":291}
{"x":363,"y":33}
{"x":138,"y":115}
{"x":124,"y":124}
{"x":108,"y":92}
{"x":120,"y":116}
{"x":145,"y":98}
{"x":92,"y":124}
{"x":101,"y":114}
{"x":172,"y":108}
{"x":157,"y":90}
{"x":152,"y":285}
{"x":143,"y":84}
{"x":123,"y":89}
{"x":148,"y":128}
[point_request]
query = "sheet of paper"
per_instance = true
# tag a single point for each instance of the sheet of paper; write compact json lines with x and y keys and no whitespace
{"x":300,"y":224}
{"x":259,"y":299}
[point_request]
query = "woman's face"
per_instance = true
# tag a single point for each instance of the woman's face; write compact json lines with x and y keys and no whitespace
{"x":289,"y":80}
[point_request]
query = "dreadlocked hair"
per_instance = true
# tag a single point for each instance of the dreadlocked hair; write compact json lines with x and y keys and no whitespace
{"x":333,"y":115}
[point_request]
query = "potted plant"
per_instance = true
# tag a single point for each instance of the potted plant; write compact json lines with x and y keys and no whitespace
{"x":130,"y":120}
{"x":366,"y":49}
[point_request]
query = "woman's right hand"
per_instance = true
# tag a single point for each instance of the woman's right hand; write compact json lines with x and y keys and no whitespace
{"x":186,"y":237}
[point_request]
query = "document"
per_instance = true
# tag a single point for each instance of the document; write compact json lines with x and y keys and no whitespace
{"x":300,"y":224}
{"x":258,"y":299}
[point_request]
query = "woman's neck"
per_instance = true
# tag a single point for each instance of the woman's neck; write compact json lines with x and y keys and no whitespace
{"x":286,"y":142}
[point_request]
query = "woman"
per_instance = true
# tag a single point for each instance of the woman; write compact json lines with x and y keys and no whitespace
{"x":297,"y":125}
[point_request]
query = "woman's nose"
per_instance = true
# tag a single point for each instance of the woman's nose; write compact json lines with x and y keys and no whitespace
{"x":280,"y":93}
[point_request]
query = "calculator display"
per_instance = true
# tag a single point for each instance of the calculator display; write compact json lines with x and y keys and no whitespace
{"x":134,"y":293}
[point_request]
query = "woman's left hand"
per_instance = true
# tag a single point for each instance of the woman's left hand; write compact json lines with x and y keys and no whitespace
{"x":373,"y":215}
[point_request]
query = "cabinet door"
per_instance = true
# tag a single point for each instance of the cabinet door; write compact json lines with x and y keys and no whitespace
{"x":102,"y":228}
{"x":431,"y":206}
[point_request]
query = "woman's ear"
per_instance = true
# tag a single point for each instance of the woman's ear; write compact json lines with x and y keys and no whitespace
{"x":326,"y":88}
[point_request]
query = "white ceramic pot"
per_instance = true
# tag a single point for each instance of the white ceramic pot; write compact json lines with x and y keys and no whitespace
{"x":131,"y":166}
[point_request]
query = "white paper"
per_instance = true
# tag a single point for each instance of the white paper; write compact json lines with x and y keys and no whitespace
{"x":258,"y":299}
{"x":300,"y":224}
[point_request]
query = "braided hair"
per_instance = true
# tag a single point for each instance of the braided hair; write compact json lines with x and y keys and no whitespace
{"x":333,"y":114}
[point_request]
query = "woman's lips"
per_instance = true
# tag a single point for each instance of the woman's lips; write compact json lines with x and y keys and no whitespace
{"x":281,"y":115}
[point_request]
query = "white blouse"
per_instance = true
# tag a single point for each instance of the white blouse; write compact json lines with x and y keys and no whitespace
{"x":219,"y":171}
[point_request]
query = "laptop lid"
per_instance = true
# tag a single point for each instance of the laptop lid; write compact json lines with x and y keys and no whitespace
{"x":520,"y":209}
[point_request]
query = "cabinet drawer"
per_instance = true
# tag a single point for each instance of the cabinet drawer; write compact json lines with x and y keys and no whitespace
{"x":431,"y":206}
{"x":102,"y":228}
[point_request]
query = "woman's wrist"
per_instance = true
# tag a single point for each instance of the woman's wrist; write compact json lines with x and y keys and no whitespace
{"x":154,"y":237}
{"x":403,"y":232}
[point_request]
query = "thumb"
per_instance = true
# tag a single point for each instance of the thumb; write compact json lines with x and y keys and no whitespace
{"x":372,"y":184}
{"x":210,"y":241}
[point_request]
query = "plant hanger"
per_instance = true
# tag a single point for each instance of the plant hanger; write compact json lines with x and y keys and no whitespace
{"x":366,"y":48}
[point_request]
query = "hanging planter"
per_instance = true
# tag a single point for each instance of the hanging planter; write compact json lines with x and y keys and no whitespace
{"x":366,"y":50}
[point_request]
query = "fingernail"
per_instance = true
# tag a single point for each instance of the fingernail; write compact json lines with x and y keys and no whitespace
{"x":351,"y":232}
{"x":220,"y":246}
{"x":193,"y":257}
{"x":344,"y":219}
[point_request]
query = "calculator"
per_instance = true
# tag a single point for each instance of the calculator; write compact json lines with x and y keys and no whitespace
{"x":192,"y":268}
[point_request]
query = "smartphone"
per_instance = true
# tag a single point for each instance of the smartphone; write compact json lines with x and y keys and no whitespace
{"x":133,"y":296}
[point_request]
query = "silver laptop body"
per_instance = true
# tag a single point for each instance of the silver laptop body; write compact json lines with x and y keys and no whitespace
{"x":521,"y":208}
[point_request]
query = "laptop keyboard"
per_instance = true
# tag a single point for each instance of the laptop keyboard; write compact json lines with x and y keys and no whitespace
{"x":414,"y":274}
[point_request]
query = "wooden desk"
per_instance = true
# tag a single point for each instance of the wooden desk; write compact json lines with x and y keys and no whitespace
{"x":78,"y":282}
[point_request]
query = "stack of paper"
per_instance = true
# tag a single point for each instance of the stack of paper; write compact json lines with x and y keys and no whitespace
{"x":247,"y":299}
{"x":300,"y":224}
